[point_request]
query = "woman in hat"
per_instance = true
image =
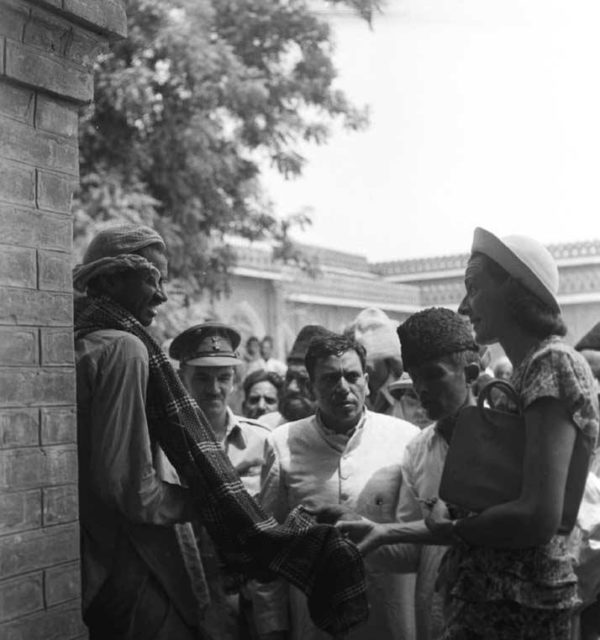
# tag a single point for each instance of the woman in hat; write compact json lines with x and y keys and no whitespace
{"x":511,"y":569}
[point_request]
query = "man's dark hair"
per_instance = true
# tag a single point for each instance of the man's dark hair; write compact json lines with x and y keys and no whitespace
{"x":252,"y":339}
{"x":334,"y":344}
{"x":530,"y":313}
{"x":268,"y":339}
{"x":262,"y":376}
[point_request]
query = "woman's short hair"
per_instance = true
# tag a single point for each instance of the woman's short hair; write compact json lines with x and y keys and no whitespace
{"x":533,"y":315}
{"x":333,"y":344}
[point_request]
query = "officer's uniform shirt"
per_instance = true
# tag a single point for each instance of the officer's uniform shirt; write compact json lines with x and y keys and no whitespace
{"x":244,"y":445}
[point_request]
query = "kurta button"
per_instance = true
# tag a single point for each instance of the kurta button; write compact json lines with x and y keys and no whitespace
{"x":378,"y":501}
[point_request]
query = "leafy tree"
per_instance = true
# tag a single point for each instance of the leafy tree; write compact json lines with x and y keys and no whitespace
{"x":188,"y":108}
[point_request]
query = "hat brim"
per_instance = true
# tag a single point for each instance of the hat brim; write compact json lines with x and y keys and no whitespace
{"x":490,"y":245}
{"x":214,"y":361}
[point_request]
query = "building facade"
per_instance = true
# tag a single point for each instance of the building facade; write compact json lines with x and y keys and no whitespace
{"x":268,"y":297}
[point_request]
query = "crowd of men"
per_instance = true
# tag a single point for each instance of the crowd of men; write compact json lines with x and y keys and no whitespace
{"x":359,"y":421}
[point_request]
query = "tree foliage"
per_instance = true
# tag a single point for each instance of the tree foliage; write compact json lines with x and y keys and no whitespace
{"x":189,"y":107}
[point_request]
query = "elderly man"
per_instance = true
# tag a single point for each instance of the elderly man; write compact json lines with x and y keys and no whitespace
{"x":344,"y":455}
{"x":207,"y":355}
{"x":296,"y":400}
{"x":135,"y":576}
{"x":261,"y":393}
{"x":141,"y":571}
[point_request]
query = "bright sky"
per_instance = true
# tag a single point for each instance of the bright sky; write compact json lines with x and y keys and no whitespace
{"x":483,"y":112}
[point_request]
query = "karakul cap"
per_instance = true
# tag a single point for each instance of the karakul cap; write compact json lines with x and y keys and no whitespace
{"x":433,"y":333}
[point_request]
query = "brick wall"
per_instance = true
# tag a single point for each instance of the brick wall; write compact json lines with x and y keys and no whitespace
{"x":46,"y":52}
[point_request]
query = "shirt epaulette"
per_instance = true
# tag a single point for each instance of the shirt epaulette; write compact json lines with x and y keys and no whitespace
{"x":251,"y":422}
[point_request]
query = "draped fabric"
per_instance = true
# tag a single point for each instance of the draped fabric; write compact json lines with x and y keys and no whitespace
{"x":314,"y":558}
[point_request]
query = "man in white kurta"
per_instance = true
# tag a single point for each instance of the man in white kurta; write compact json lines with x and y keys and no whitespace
{"x":344,"y":455}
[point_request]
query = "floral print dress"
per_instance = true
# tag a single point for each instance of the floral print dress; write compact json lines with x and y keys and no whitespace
{"x":511,"y":594}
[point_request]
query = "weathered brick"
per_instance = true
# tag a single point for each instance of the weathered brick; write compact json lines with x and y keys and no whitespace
{"x":17,"y":102}
{"x":17,"y":267}
{"x":110,"y":15}
{"x":58,"y":623}
{"x":20,"y":510}
{"x":19,"y":427}
{"x":60,"y":37}
{"x":59,"y":425}
{"x":37,"y":467}
{"x":57,"y":347}
{"x":13,"y":16}
{"x":21,"y":596}
{"x":28,"y":228}
{"x":22,"y":306}
{"x":56,"y":116}
{"x":18,"y":346}
{"x":23,"y":143}
{"x":54,"y":271}
{"x":62,"y":583}
{"x":38,"y":549}
{"x":18,"y":182}
{"x":57,"y":75}
{"x":36,"y":386}
{"x":60,"y":505}
{"x":54,"y":191}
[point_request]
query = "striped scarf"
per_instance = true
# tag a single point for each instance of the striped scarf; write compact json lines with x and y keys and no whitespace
{"x":314,"y":558}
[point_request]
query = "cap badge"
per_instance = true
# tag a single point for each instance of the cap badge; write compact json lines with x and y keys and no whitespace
{"x":216,"y":343}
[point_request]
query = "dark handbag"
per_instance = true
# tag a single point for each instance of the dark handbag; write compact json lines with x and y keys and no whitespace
{"x":484,"y":465}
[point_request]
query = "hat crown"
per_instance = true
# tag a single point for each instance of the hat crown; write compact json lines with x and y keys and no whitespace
{"x":525,"y":259}
{"x":537,"y":257}
{"x":303,"y":339}
{"x":207,"y":344}
{"x":374,"y":329}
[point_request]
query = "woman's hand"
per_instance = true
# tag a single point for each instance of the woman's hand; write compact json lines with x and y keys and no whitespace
{"x":438,"y":520}
{"x":367,"y":535}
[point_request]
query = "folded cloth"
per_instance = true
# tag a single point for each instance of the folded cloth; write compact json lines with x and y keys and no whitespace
{"x":314,"y":558}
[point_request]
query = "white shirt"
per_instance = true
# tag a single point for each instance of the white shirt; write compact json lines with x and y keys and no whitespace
{"x":422,"y":468}
{"x":308,"y":464}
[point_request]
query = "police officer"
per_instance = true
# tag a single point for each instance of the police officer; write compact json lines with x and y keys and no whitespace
{"x":207,"y":355}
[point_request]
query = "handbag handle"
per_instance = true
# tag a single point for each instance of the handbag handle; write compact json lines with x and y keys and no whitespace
{"x":505,"y":387}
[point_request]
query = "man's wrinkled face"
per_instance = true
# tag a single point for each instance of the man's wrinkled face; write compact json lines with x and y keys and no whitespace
{"x":296,"y":400}
{"x":442,"y":387}
{"x":209,"y":386}
{"x":142,"y":292}
{"x":262,"y":398}
{"x":340,"y":387}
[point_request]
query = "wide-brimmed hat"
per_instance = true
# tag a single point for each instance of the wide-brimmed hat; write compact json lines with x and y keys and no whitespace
{"x":210,"y":344}
{"x":525,"y":259}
